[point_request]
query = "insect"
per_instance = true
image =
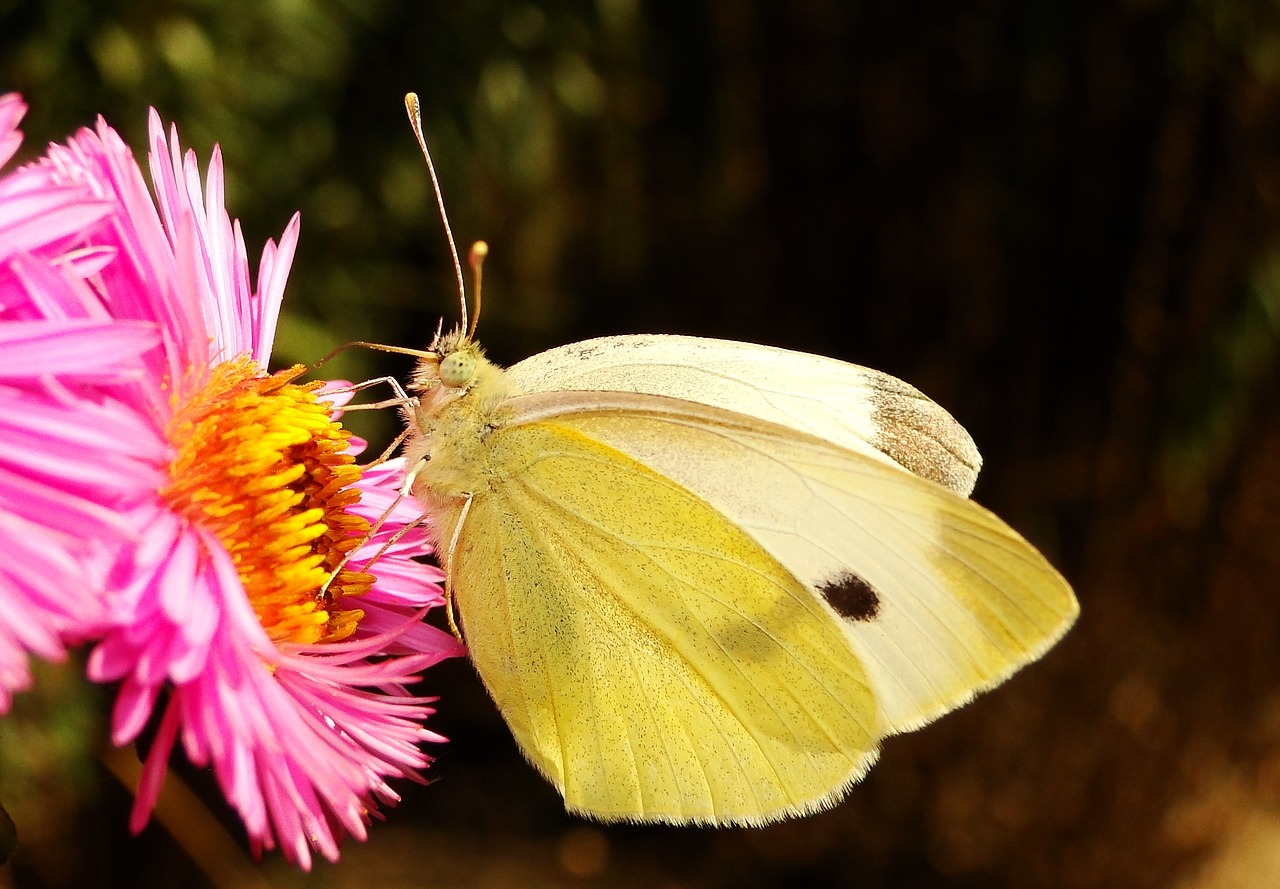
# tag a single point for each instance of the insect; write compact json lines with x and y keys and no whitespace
{"x":703,"y":579}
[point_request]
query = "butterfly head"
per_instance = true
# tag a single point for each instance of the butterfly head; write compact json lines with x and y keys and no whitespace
{"x":452,"y":363}
{"x":440,"y":384}
{"x":459,"y":359}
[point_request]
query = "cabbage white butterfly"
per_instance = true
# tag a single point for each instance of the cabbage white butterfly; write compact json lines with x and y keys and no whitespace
{"x":703,"y":579}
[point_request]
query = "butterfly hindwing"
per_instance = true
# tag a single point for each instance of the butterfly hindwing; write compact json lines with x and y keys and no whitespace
{"x":654,"y":661}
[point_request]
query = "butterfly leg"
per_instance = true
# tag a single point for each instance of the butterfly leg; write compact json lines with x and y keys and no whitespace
{"x":448,"y":571}
{"x":390,"y":449}
{"x":376,"y":526}
{"x":400,"y":396}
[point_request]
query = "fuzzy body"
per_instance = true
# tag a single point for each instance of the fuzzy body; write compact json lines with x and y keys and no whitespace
{"x":449,"y":430}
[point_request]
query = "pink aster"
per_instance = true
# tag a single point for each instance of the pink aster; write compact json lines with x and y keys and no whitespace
{"x":230,"y":607}
{"x":51,"y":529}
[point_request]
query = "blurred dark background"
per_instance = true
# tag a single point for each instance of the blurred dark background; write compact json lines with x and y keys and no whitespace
{"x":1058,"y":218}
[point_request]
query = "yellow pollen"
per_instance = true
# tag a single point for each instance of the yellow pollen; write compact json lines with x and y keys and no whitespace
{"x":261,"y":465}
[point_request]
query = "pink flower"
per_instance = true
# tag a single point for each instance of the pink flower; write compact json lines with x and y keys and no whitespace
{"x":51,"y":529}
{"x":226,"y":603}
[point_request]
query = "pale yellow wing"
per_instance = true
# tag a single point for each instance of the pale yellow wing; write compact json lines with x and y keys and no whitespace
{"x":856,"y":408}
{"x":655,"y":662}
{"x":938,"y":597}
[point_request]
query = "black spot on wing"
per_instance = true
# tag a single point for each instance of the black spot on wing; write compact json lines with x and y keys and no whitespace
{"x":851,"y":596}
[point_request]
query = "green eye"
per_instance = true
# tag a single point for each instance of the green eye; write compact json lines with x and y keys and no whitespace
{"x":457,"y":369}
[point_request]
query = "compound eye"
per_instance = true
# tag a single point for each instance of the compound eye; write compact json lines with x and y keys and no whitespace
{"x":457,"y":369}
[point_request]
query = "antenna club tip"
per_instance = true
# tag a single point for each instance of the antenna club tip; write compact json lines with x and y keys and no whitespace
{"x":479,"y":250}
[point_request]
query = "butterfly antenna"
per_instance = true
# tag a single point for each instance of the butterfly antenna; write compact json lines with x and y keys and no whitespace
{"x":412,"y":106}
{"x":361,"y":344}
{"x":475,"y":259}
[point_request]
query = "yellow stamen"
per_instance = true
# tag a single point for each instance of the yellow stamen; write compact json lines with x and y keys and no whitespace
{"x":261,"y":465}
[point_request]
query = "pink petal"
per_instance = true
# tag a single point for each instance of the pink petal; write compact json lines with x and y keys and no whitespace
{"x":30,"y":349}
{"x":32,"y":220}
{"x":12,"y":109}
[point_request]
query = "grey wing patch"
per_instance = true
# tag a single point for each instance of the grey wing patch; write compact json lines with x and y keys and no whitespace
{"x":919,"y":435}
{"x":851,"y":596}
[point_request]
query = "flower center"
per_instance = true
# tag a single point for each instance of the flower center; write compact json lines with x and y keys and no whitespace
{"x":261,"y":465}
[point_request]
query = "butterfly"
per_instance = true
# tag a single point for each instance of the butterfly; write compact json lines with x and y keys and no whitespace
{"x":703,"y":579}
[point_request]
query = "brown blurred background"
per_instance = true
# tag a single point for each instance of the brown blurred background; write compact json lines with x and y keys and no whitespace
{"x":1058,"y":218}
